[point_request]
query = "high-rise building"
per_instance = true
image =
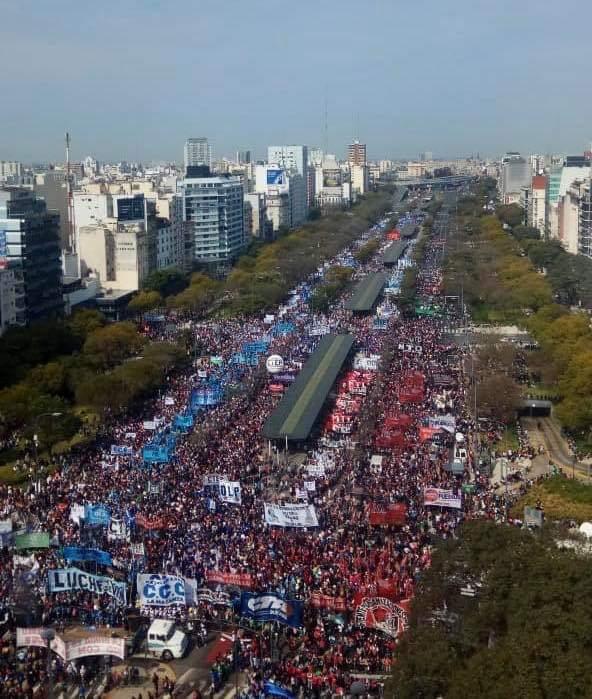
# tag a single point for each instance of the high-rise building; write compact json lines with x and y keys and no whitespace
{"x":294,"y":160}
{"x":356,"y":153}
{"x":197,"y":152}
{"x":213,"y":210}
{"x":10,"y":169}
{"x":515,"y":174}
{"x":243,"y":157}
{"x":12,"y":292}
{"x":536,"y":211}
{"x":585,"y":223}
{"x":52,"y":187}
{"x":32,"y":242}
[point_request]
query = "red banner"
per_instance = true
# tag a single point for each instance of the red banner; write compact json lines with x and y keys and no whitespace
{"x":238,"y":579}
{"x":382,"y":614}
{"x":394,"y":513}
{"x":327,"y":602}
{"x":151,"y":522}
{"x":427,"y":433}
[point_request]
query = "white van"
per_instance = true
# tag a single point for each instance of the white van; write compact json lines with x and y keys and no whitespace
{"x":165,"y":640}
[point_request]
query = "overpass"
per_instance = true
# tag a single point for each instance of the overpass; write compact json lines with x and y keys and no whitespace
{"x":436,"y":182}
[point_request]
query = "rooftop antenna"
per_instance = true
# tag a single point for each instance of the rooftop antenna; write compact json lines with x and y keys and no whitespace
{"x":326,"y":127}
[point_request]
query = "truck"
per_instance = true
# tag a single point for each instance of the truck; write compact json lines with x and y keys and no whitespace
{"x":165,"y":640}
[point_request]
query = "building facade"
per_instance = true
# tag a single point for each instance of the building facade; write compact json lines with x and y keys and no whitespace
{"x":294,"y":161}
{"x":356,"y":153}
{"x":213,"y":210}
{"x":197,"y":152}
{"x":30,"y":240}
{"x":12,"y":296}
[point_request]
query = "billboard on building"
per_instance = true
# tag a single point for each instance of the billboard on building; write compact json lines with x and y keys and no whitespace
{"x":275,"y":177}
{"x":130,"y":208}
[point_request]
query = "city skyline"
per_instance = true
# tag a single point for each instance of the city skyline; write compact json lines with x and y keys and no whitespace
{"x":130,"y":86}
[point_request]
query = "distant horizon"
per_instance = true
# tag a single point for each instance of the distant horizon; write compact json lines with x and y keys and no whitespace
{"x":134,"y":81}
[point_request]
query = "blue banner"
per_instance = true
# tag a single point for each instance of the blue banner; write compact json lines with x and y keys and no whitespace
{"x":269,"y":607}
{"x":275,"y":690}
{"x":97,"y":515}
{"x":183,"y":422}
{"x":75,"y":553}
{"x":155,"y":454}
{"x":160,"y":590}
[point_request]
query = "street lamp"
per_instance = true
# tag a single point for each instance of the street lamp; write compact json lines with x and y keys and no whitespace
{"x":48,"y":635}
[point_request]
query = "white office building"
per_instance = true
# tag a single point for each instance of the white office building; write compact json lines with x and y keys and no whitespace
{"x":197,"y":152}
{"x":213,"y":210}
{"x":170,"y":237}
{"x":294,"y":161}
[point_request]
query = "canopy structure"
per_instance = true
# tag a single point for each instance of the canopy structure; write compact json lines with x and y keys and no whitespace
{"x":408,"y":230}
{"x":366,"y":293}
{"x":394,"y":252}
{"x":301,"y":404}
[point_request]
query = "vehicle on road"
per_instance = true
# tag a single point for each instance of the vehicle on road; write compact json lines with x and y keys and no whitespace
{"x":165,"y":640}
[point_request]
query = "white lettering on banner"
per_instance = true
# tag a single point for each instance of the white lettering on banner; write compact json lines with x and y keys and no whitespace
{"x":160,"y":590}
{"x":227,"y":491}
{"x":316,"y":470}
{"x":149,"y":425}
{"x":71,"y":650}
{"x":443,"y":422}
{"x":310,"y":486}
{"x":439,"y":497}
{"x":274,"y":606}
{"x":65,"y":579}
{"x":169,"y":400}
{"x":130,"y":435}
{"x":293,"y":515}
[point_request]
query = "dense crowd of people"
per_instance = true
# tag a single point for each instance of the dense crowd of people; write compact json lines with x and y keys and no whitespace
{"x":342,"y":566}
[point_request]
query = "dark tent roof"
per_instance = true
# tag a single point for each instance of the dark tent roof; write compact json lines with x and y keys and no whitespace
{"x":299,"y":408}
{"x":366,"y":292}
{"x":394,"y":251}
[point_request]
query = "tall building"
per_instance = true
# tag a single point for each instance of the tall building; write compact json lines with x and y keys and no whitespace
{"x":52,"y":187}
{"x":359,"y":179}
{"x":536,"y":211}
{"x":33,"y":244}
{"x":197,"y":152}
{"x":585,"y":223}
{"x":356,"y":153}
{"x":12,"y":291}
{"x":213,"y":210}
{"x":574,"y":168}
{"x":515,"y":174}
{"x":294,"y":160}
{"x":10,"y":169}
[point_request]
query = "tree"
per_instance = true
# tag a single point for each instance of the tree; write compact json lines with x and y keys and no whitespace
{"x":511,"y":214}
{"x":525,"y":633}
{"x":165,"y":281}
{"x":108,"y":346}
{"x":498,"y":396}
{"x":145,"y":301}
{"x":84,"y":321}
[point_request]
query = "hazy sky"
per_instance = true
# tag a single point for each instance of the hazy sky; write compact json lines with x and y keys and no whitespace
{"x":132,"y":79}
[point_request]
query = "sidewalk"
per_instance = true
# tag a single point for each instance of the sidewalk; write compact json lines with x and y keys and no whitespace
{"x":162,"y":670}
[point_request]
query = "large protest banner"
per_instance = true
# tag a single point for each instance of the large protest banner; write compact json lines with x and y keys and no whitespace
{"x":160,"y":590}
{"x":236,"y":579}
{"x":226,"y":490}
{"x":382,"y":614}
{"x":121,"y":450}
{"x":269,"y":607}
{"x":443,"y":422}
{"x":76,"y":553}
{"x":34,"y":540}
{"x":294,"y":515}
{"x":71,"y":650}
{"x":440,"y":497}
{"x":393,"y":513}
{"x":155,"y":522}
{"x":65,"y":579}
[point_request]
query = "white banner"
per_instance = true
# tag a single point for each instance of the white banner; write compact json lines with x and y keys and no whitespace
{"x":149,"y":425}
{"x":160,"y":590}
{"x":169,"y":400}
{"x":65,"y":579}
{"x":316,"y":470}
{"x":439,"y":497}
{"x":5,"y":526}
{"x":71,"y":650}
{"x":294,"y":515}
{"x":310,"y":486}
{"x":443,"y":422}
{"x":77,"y":513}
{"x":117,"y":530}
{"x":130,"y":435}
{"x":227,"y":491}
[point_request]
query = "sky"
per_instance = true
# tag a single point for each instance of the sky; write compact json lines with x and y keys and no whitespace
{"x":132,"y":79}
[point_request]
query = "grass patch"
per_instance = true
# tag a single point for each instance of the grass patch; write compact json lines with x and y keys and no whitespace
{"x":562,"y":498}
{"x":509,"y":440}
